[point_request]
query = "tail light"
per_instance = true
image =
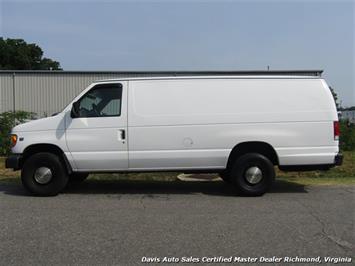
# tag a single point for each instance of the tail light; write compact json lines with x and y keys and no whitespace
{"x":336,"y":127}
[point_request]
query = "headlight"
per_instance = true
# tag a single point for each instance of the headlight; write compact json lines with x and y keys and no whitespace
{"x":13,"y":139}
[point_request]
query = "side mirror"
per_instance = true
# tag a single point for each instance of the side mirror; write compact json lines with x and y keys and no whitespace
{"x":75,"y":110}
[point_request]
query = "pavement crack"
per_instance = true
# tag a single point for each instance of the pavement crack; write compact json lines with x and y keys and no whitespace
{"x":351,"y":191}
{"x":324,"y":233}
{"x":299,"y":234}
{"x":152,"y":196}
{"x":340,"y":242}
{"x":141,"y":201}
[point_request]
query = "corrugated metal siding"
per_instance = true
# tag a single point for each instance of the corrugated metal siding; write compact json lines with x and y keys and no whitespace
{"x":44,"y":93}
{"x":6,"y":96}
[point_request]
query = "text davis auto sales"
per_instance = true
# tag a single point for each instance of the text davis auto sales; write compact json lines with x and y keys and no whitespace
{"x":232,"y":259}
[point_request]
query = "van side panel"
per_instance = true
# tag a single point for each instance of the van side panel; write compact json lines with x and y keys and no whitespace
{"x":195,"y":123}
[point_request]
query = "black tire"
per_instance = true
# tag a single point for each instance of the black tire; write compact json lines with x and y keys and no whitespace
{"x":51,"y":161}
{"x":225,"y":176}
{"x":78,"y":177}
{"x":251,"y":161}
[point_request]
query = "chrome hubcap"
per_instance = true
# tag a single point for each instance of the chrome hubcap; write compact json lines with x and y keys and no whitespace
{"x":253,"y":175}
{"x":43,"y":175}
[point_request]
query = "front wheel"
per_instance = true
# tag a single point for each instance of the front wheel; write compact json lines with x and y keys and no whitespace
{"x":43,"y":174}
{"x":252,"y":174}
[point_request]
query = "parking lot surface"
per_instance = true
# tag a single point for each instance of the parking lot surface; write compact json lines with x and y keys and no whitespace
{"x":123,"y":223}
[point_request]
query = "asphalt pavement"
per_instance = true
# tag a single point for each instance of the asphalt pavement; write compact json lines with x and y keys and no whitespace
{"x":125,"y":223}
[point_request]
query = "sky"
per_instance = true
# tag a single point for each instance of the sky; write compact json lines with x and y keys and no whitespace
{"x":191,"y":35}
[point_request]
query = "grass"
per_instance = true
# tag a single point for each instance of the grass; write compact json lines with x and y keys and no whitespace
{"x":342,"y":175}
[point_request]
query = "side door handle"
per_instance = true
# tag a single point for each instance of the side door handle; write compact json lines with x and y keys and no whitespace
{"x":121,"y":135}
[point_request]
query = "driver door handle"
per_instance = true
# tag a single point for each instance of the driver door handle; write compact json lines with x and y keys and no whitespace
{"x":121,"y":135}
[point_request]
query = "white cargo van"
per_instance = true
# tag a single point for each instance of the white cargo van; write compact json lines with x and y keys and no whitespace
{"x":237,"y":126}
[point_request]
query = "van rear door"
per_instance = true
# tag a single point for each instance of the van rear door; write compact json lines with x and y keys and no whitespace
{"x":97,"y":136}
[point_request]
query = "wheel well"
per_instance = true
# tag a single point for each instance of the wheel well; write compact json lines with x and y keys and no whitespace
{"x":253,"y":146}
{"x":36,"y":148}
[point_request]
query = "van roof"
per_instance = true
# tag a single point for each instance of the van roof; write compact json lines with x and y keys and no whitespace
{"x":210,"y":77}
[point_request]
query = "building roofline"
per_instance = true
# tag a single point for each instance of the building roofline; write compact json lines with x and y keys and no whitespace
{"x":306,"y":72}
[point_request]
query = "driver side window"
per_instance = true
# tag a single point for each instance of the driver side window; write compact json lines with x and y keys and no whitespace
{"x":103,"y":100}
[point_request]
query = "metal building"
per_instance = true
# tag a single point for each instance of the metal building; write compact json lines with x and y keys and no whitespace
{"x":47,"y":92}
{"x":348,"y":115}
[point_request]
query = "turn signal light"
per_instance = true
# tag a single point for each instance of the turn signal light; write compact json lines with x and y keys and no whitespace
{"x":13,"y":139}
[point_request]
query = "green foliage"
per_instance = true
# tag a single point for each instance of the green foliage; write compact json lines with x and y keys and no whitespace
{"x":335,"y":96}
{"x":16,"y":54}
{"x":7,"y":121}
{"x":347,"y":136}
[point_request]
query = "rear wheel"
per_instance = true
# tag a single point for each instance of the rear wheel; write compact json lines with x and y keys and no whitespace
{"x":252,"y":174}
{"x":43,"y":174}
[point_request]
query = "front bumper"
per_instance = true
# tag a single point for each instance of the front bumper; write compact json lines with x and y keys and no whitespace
{"x":14,"y":161}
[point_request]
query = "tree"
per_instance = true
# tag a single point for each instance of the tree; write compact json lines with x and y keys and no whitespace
{"x":16,"y":54}
{"x":335,"y":96}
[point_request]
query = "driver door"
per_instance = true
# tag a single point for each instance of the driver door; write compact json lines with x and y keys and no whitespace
{"x":97,"y":136}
